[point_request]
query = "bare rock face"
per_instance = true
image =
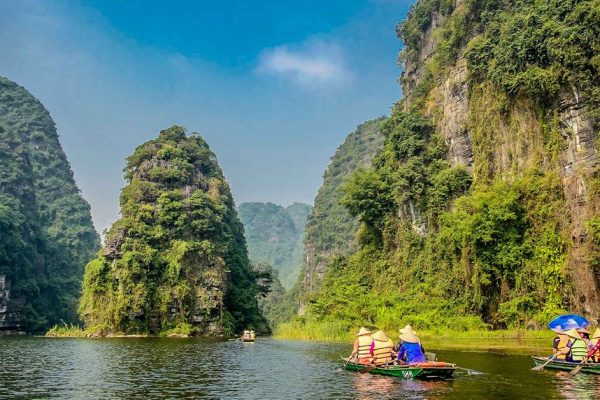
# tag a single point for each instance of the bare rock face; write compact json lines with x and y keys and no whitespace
{"x":413,"y":71}
{"x":579,"y":161}
{"x":452,"y":98}
{"x":10,"y":309}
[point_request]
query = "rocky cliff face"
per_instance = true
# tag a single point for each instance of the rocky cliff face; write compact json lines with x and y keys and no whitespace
{"x":482,"y":208}
{"x":46,"y":231}
{"x":331,"y":230}
{"x":498,"y":135}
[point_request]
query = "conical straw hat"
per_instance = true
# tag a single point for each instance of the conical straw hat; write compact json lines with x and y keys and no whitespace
{"x":380,"y":336}
{"x":408,"y":328}
{"x":583,"y":330}
{"x":409,"y":337}
{"x":363,"y":331}
{"x":596,"y":334}
{"x":573,"y":333}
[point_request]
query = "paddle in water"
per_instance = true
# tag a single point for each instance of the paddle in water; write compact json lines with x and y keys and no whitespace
{"x":541,"y":367}
{"x":471,"y":371}
{"x":346,"y":363}
{"x":578,"y":368}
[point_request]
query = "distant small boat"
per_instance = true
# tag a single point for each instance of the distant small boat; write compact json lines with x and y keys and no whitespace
{"x":247,"y":339}
{"x":589,"y":368}
{"x":425,"y":370}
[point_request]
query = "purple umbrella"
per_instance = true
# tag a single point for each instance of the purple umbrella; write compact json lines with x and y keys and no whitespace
{"x":568,"y":321}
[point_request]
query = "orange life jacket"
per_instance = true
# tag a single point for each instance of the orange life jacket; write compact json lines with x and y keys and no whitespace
{"x":382,"y":351}
{"x":364,"y":346}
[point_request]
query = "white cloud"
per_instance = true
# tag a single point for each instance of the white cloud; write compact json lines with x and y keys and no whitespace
{"x":314,"y":63}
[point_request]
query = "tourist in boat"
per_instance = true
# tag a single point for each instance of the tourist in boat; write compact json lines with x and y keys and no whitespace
{"x":382,"y":348}
{"x":410,"y":351}
{"x":578,"y":345}
{"x":246,"y":335}
{"x":362,"y":346}
{"x":594,"y":353}
{"x":252,"y":335}
{"x":560,"y":345}
{"x":407,"y":329}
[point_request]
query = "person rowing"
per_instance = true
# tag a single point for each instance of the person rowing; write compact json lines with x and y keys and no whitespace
{"x":362,"y":346}
{"x":594,"y":353}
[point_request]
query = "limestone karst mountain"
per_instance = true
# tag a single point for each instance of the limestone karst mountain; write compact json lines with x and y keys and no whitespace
{"x":46,"y":230}
{"x":482,"y":209}
{"x":176,"y":261}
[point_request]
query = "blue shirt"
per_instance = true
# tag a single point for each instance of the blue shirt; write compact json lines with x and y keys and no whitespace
{"x":411,"y":353}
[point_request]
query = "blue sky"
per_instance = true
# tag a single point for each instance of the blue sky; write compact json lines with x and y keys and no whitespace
{"x":273,"y":86}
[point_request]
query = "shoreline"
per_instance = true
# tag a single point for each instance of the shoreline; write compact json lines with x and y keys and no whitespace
{"x":505,"y":341}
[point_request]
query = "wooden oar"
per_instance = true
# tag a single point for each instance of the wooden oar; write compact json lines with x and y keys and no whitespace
{"x":347,"y":361}
{"x":541,"y":367}
{"x":576,"y":370}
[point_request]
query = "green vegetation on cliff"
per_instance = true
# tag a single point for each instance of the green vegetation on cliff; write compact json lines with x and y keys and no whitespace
{"x":486,"y":244}
{"x":46,"y":231}
{"x":331,"y":229}
{"x":275,"y":236}
{"x":176,"y":261}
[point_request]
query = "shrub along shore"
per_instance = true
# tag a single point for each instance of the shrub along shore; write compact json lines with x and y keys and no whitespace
{"x":70,"y":330}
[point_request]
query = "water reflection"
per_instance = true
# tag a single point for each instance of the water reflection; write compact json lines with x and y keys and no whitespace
{"x":579,"y":387}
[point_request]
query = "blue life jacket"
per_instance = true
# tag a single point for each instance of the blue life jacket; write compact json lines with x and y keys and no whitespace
{"x":411,"y":353}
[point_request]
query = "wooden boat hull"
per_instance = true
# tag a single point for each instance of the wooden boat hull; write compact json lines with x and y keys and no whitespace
{"x":248,"y":340}
{"x":588,"y":368}
{"x":426,"y":370}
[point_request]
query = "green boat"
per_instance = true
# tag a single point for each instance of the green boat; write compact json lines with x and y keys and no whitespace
{"x":425,"y":370}
{"x":588,"y":368}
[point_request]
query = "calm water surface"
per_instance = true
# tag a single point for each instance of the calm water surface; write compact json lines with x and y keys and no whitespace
{"x":268,"y":369}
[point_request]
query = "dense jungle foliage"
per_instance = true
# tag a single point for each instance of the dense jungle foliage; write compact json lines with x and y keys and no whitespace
{"x":176,"y":261}
{"x":449,"y":246}
{"x":46,"y":231}
{"x":275,"y":235}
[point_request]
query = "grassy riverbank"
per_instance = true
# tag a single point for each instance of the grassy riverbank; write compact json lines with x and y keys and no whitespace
{"x":514,"y":339}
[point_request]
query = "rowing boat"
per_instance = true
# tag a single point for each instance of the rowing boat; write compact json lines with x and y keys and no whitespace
{"x":428,"y":369}
{"x":589,"y":368}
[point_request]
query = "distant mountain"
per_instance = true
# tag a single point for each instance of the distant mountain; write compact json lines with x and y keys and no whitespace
{"x":46,"y":230}
{"x":275,"y":235}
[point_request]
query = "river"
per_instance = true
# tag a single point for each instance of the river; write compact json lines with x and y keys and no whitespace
{"x":145,"y":368}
